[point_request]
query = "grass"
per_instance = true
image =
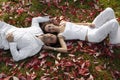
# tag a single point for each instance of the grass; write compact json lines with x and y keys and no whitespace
{"x":37,"y":7}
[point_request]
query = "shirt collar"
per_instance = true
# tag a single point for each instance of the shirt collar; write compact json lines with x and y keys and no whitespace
{"x":39,"y":41}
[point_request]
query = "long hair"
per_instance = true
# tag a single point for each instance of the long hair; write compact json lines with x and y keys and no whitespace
{"x":57,"y":44}
{"x":42,"y":25}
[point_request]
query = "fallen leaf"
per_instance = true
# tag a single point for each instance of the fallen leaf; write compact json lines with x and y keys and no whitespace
{"x":98,"y":68}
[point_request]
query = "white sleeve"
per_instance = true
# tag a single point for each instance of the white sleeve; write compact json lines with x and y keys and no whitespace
{"x":23,"y":53}
{"x":37,"y":20}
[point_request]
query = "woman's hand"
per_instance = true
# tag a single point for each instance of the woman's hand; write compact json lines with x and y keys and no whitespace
{"x":54,"y":21}
{"x":47,"y":47}
{"x":10,"y":37}
{"x":92,"y":25}
{"x":62,"y":23}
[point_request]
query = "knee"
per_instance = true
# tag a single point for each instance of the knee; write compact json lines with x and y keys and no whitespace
{"x":115,"y":23}
{"x":110,"y":10}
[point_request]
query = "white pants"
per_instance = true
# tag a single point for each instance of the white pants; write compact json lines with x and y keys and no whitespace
{"x":105,"y":24}
{"x":103,"y":17}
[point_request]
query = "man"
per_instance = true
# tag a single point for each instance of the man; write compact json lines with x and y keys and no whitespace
{"x":29,"y":44}
{"x":22,"y":42}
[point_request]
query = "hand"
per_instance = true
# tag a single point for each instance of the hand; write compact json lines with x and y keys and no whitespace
{"x":92,"y":25}
{"x":54,"y":21}
{"x":10,"y":37}
{"x":59,"y":36}
{"x":62,"y":23}
{"x":47,"y":47}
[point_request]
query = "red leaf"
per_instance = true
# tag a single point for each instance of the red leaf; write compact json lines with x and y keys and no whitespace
{"x":115,"y":74}
{"x":99,"y":68}
{"x":7,"y":78}
{"x":2,"y":75}
{"x":45,"y":78}
{"x":31,"y":76}
{"x":43,"y":55}
{"x":90,"y":77}
{"x":21,"y":77}
{"x":83,"y":71}
{"x":68,"y":64}
{"x":87,"y":63}
{"x":20,"y":11}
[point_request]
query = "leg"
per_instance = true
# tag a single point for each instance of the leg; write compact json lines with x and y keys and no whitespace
{"x":116,"y":39}
{"x":99,"y":34}
{"x":103,"y":17}
{"x":1,"y":24}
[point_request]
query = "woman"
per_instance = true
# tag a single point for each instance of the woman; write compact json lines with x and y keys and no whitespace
{"x":104,"y":24}
{"x":24,"y":42}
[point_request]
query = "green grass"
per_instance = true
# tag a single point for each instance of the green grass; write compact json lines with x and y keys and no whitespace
{"x":37,"y":7}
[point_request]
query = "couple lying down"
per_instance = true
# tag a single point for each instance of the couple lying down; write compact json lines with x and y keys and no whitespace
{"x":26,"y":42}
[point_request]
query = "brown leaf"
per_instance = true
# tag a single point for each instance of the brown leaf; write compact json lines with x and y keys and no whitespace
{"x":98,"y":68}
{"x":31,"y":76}
{"x":83,"y":71}
{"x":90,"y":77}
{"x":43,"y":54}
{"x":2,"y":75}
{"x":45,"y":78}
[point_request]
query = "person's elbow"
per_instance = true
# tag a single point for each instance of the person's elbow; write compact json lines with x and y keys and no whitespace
{"x":16,"y":59}
{"x":34,"y":19}
{"x":65,"y":50}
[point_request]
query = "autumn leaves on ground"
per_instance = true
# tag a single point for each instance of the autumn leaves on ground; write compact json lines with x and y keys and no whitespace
{"x":85,"y":61}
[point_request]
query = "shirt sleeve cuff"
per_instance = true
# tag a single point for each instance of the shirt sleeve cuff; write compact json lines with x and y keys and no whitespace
{"x":12,"y":44}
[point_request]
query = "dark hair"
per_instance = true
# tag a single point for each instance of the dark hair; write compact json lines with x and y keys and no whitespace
{"x":57,"y":44}
{"x":42,"y":25}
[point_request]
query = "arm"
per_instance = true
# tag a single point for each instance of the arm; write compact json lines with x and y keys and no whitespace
{"x":37,"y":20}
{"x":62,"y":43}
{"x":22,"y":53}
{"x":86,"y":24}
{"x":63,"y":47}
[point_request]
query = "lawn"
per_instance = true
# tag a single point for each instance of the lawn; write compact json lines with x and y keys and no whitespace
{"x":85,"y":61}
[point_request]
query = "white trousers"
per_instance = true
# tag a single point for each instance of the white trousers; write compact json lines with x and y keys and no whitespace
{"x":103,"y":17}
{"x":105,"y":24}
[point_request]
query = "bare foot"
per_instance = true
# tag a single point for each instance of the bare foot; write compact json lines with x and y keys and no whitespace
{"x":117,"y":44}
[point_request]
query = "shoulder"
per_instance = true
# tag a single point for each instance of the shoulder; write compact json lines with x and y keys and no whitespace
{"x":60,"y":36}
{"x":62,"y":23}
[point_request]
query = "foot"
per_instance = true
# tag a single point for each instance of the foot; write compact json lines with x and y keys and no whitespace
{"x":116,"y":45}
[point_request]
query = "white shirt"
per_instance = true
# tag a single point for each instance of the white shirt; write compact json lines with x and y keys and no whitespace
{"x":25,"y":43}
{"x":73,"y":31}
{"x":26,"y":46}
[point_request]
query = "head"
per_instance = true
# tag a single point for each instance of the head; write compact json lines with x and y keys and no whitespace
{"x":49,"y":28}
{"x":49,"y":39}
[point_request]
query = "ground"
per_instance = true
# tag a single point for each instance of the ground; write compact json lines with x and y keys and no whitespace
{"x":85,"y":61}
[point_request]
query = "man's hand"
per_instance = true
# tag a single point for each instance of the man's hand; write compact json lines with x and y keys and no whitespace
{"x":10,"y":37}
